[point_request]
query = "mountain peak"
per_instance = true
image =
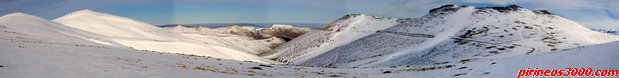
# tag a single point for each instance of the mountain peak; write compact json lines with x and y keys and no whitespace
{"x":343,"y":20}
{"x":448,"y":7}
{"x":179,"y":26}
{"x":450,"y":31}
{"x":84,"y":11}
{"x":19,"y":15}
{"x":279,"y":26}
{"x":504,"y":9}
{"x":351,"y":15}
{"x":542,"y":12}
{"x":16,"y":14}
{"x":107,"y":24}
{"x":453,"y":7}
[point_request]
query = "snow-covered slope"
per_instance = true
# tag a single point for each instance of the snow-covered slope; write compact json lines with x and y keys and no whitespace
{"x":142,"y":36}
{"x":109,"y":25}
{"x":20,"y":26}
{"x":448,"y":34}
{"x":342,"y":31}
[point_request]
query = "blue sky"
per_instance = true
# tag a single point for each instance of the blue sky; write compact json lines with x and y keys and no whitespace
{"x":590,"y":13}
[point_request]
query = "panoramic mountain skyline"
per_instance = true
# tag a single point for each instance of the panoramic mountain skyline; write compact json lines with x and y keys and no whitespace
{"x":597,"y":14}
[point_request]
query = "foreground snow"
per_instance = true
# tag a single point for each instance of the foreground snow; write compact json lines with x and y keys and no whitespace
{"x":21,"y":59}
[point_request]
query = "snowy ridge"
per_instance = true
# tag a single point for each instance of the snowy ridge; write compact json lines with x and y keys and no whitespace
{"x":268,"y":38}
{"x":452,"y":33}
{"x":339,"y":32}
{"x":89,"y":28}
{"x":20,"y":26}
{"x":109,"y":25}
{"x":281,"y":31}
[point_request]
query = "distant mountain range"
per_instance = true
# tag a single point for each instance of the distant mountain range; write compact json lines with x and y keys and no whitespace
{"x":259,"y":25}
{"x":609,"y":31}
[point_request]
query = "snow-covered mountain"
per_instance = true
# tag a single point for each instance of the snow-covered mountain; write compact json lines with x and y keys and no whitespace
{"x":28,"y":28}
{"x":142,"y":36}
{"x":451,"y":41}
{"x":82,"y":46}
{"x":285,"y":32}
{"x":87,"y":27}
{"x":110,"y":25}
{"x":272,"y":36}
{"x":448,"y":34}
{"x":342,"y":31}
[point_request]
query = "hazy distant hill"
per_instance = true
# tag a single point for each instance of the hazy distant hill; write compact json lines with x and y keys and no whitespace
{"x":259,"y":25}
